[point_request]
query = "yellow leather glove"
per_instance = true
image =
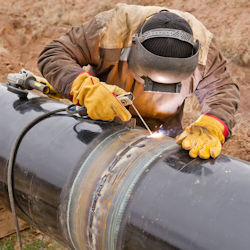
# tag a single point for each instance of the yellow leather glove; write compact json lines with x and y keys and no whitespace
{"x":99,"y":98}
{"x":204,"y":137}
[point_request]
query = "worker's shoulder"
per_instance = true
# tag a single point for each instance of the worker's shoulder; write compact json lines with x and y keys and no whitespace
{"x":118,"y":25}
{"x":124,"y":16}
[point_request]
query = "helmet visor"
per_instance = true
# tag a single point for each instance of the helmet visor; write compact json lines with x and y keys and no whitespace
{"x":144,"y":64}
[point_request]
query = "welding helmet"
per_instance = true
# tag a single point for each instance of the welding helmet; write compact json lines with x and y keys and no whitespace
{"x":157,"y":71}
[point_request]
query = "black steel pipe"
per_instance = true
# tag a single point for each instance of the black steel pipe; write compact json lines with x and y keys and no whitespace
{"x":101,"y":185}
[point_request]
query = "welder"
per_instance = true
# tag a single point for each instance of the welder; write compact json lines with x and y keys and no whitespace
{"x":160,"y":55}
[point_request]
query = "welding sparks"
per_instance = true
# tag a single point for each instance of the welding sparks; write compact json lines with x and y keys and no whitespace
{"x":156,"y":134}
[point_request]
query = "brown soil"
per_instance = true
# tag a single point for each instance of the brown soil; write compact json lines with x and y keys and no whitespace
{"x":27,"y":25}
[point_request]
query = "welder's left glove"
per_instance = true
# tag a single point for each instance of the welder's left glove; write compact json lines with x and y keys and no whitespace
{"x":204,"y":137}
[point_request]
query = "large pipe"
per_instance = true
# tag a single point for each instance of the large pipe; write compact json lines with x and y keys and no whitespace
{"x":101,"y":185}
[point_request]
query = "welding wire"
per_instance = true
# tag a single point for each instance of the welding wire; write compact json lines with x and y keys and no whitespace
{"x":145,"y":124}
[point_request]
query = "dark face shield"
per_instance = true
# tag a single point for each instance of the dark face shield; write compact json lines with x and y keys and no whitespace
{"x":153,"y":70}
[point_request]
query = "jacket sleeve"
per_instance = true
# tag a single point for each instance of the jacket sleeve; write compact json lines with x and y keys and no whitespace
{"x":216,"y":91}
{"x":62,"y":60}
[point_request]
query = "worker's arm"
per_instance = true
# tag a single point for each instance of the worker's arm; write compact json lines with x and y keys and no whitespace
{"x":61,"y":64}
{"x":217,"y":93}
{"x":219,"y":98}
{"x":61,"y":61}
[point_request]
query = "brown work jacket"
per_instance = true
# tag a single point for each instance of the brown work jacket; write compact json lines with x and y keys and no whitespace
{"x":99,"y":43}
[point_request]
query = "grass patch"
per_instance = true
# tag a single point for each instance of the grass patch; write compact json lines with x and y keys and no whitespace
{"x":31,"y":240}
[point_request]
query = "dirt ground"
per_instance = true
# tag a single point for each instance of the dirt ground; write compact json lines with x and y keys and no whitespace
{"x":26,"y":26}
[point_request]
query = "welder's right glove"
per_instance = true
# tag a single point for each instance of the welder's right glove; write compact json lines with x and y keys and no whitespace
{"x":99,"y":98}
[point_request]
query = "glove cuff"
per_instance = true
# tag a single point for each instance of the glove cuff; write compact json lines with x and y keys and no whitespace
{"x":225,"y":131}
{"x":76,"y":82}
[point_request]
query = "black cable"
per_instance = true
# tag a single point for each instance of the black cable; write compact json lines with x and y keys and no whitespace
{"x":11,"y":163}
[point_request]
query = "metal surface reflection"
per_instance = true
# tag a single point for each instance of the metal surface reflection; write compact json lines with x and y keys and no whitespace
{"x":102,"y":185}
{"x":181,"y":161}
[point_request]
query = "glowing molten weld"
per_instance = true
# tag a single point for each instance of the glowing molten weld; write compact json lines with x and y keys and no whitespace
{"x":156,"y":134}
